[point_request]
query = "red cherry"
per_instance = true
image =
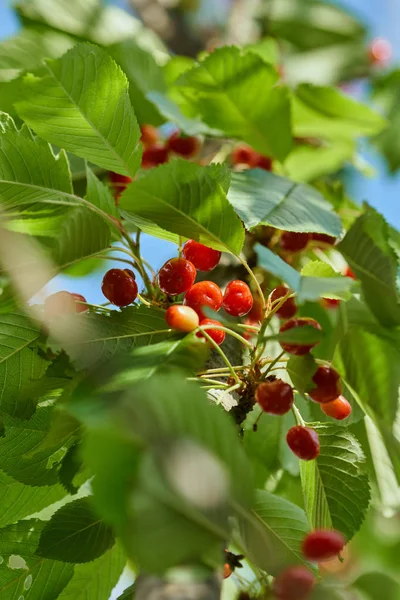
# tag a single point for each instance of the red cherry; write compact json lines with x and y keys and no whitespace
{"x":218,"y":335}
{"x":294,"y":583}
{"x":154,"y":155}
{"x":303,"y":442}
{"x":63,"y":303}
{"x":294,"y":242}
{"x":203,"y":257}
{"x":119,"y":287}
{"x":119,"y":183}
{"x":182,"y":318}
{"x":328,"y":385}
{"x":325,"y":239}
{"x":79,"y":307}
{"x":264,"y":162}
{"x":204,"y":293}
{"x":321,"y":545}
{"x":176,"y":276}
{"x":238,"y":299}
{"x":256,"y":313}
{"x":380,"y":51}
{"x":130,"y":273}
{"x":338,"y":409}
{"x":244,"y":155}
{"x":149,"y":135}
{"x":275,"y":397}
{"x":330,"y":302}
{"x":184,"y":146}
{"x":227,"y":570}
{"x":249,"y":333}
{"x":288,"y":308}
{"x":299,"y":349}
{"x":349,"y":273}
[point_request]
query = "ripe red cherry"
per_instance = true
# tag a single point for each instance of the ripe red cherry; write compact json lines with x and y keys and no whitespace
{"x":299,"y":349}
{"x":227,"y":570}
{"x":303,"y":442}
{"x":79,"y":307}
{"x":244,"y":155}
{"x":218,"y":335}
{"x":294,"y":242}
{"x":338,"y":409}
{"x":63,"y":303}
{"x":275,"y":397}
{"x":328,"y":385}
{"x":176,"y":276}
{"x":288,"y":308}
{"x":321,"y":545}
{"x":264,"y":162}
{"x":294,"y":583}
{"x":119,"y":183}
{"x":182,"y":318}
{"x":330,"y":302}
{"x":238,"y":299}
{"x":119,"y":287}
{"x":154,"y":155}
{"x":256,"y":313}
{"x":204,"y":293}
{"x":325,"y":239}
{"x":349,"y":273}
{"x":203,"y":257}
{"x":186,"y":146}
{"x":149,"y":135}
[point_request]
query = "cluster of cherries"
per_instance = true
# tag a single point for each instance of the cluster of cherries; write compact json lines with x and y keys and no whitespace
{"x":296,"y":582}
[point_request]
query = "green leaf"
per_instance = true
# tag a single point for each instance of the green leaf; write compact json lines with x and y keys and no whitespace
{"x":236,"y":92}
{"x":273,"y":533}
{"x":308,"y":163}
{"x":188,"y":200}
{"x":36,"y":578}
{"x":320,"y":269}
{"x":96,"y":580}
{"x":335,"y":485}
{"x":385,"y":94}
{"x":75,"y":534}
{"x":267,"y":49}
{"x":105,"y":336}
{"x":367,"y":249}
{"x":17,"y":449}
{"x":18,"y":501}
{"x":326,"y":112}
{"x":104,"y":131}
{"x":17,"y":332}
{"x":305,"y":287}
{"x":262,"y":198}
{"x":374,"y":585}
{"x":299,"y":335}
{"x":301,"y":370}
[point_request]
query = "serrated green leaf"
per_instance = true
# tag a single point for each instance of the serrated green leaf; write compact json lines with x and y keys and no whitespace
{"x":305,"y":287}
{"x":17,"y":449}
{"x":272,"y":534}
{"x":71,"y":466}
{"x":38,"y":578}
{"x":236,"y":92}
{"x":301,"y":370}
{"x":189,"y":200}
{"x":75,"y":534}
{"x":326,"y":112}
{"x":16,"y":333}
{"x":262,"y":198}
{"x":105,"y":336}
{"x":104,"y":132}
{"x":18,"y":501}
{"x":335,"y":485}
{"x":96,"y":580}
{"x":367,"y":249}
{"x":320,"y":269}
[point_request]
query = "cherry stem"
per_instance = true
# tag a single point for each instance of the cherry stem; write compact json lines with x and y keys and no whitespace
{"x":250,"y":327}
{"x":230,"y":332}
{"x":135,"y":254}
{"x":143,"y":300}
{"x":254,"y":279}
{"x":297,"y":416}
{"x":116,"y":258}
{"x":208,"y":371}
{"x":223,"y":356}
{"x":273,"y":363}
{"x":206,"y":380}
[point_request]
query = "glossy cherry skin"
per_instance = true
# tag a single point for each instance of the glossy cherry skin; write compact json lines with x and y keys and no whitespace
{"x":176,"y":276}
{"x":298,"y":349}
{"x":275,"y":397}
{"x":63,"y":303}
{"x":244,"y":155}
{"x":256,"y":313}
{"x":149,"y":135}
{"x":338,"y":409}
{"x":154,"y":155}
{"x":303,"y":442}
{"x":218,"y":335}
{"x":201,"y":294}
{"x":119,"y":183}
{"x":321,"y":545}
{"x":203,"y":257}
{"x":294,"y":242}
{"x":264,"y":162}
{"x":119,"y":287}
{"x":182,"y":318}
{"x":288,"y":308}
{"x":294,"y":583}
{"x":238,"y":299}
{"x":186,"y":146}
{"x":328,"y":385}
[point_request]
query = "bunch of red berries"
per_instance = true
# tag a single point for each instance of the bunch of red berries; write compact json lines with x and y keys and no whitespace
{"x":244,"y":155}
{"x":178,"y":276}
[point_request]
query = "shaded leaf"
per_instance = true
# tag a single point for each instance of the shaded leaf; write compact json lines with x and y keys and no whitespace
{"x":301,"y":370}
